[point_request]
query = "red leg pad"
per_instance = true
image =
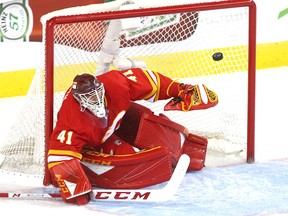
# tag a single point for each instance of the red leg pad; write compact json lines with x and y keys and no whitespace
{"x":160,"y":131}
{"x":128,"y":171}
{"x":195,"y":147}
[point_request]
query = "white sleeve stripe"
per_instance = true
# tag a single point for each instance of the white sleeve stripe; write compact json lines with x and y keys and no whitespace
{"x":58,"y":158}
{"x":151,"y":99}
{"x":154,"y":78}
{"x":152,"y":75}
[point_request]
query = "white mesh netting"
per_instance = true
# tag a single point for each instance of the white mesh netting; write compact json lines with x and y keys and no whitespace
{"x":179,"y":45}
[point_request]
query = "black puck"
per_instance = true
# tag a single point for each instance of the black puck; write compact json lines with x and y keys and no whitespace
{"x":217,"y":56}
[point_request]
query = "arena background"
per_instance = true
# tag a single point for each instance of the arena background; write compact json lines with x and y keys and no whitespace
{"x":20,"y":54}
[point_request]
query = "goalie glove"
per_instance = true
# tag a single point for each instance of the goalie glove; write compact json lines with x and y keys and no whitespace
{"x":192,"y":98}
{"x":73,"y":182}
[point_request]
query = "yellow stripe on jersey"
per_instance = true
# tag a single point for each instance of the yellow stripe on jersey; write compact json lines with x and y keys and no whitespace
{"x":167,"y":91}
{"x":50,"y":165}
{"x":64,"y":153}
{"x":154,"y":87}
{"x":158,"y":89}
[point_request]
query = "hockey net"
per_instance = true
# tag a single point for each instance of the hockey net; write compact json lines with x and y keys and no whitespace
{"x":177,"y":40}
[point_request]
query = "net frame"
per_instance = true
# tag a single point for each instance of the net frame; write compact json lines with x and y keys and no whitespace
{"x":158,"y":10}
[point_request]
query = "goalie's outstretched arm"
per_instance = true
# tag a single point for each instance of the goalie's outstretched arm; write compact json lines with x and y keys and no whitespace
{"x":152,"y":86}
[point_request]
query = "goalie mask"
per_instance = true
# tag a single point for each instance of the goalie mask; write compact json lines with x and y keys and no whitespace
{"x":89,"y":92}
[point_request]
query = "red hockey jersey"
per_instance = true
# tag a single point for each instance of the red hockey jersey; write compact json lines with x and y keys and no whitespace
{"x":74,"y":128}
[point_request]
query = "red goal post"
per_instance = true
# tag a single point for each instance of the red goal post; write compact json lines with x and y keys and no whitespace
{"x":176,"y":38}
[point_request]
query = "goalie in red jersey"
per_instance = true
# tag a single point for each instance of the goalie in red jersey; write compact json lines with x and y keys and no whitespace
{"x":104,"y":139}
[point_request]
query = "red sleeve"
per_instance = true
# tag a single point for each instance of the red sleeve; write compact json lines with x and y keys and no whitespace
{"x":150,"y":85}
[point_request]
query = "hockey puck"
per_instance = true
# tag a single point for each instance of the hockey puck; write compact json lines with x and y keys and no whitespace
{"x":217,"y":56}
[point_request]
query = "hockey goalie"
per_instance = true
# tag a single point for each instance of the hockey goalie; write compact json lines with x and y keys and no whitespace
{"x":103,"y":138}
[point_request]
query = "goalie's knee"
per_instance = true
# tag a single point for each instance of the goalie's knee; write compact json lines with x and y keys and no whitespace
{"x":195,"y":147}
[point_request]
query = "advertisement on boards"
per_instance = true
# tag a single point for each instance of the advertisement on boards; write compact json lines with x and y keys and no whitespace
{"x":20,"y":19}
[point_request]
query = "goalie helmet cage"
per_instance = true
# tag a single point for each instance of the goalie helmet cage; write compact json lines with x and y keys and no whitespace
{"x":175,"y":38}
